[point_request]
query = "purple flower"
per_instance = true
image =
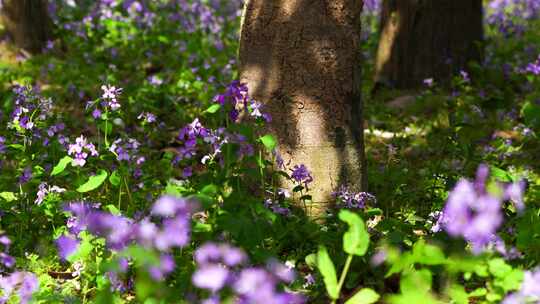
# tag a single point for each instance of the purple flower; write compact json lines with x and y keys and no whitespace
{"x":110,"y":95}
{"x":2,"y":145}
{"x":6,"y":260}
{"x":80,"y":150}
{"x":44,"y":190}
{"x":96,"y":113}
{"x":473,"y":213}
{"x":301,"y":175}
{"x":514,"y":192}
{"x":465,"y":76}
{"x":350,"y":199}
{"x":168,"y":206}
{"x":24,"y":283}
{"x":429,"y":82}
{"x":26,"y":176}
{"x":165,"y":267}
{"x":211,"y":277}
{"x":67,"y":245}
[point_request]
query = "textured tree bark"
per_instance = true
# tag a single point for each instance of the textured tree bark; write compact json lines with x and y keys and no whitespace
{"x":27,"y":23}
{"x":427,"y":39}
{"x":302,"y":60}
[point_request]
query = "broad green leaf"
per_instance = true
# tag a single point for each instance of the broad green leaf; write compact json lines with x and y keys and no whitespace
{"x":328,"y":271}
{"x":356,"y":239}
{"x":113,"y":210}
{"x":364,"y":296}
{"x":213,"y":108}
{"x":311,"y":260}
{"x":458,"y":294}
{"x":531,"y":114}
{"x":498,"y":268}
{"x":268,"y":141}
{"x":500,"y":174}
{"x":114,"y":179}
{"x":210,"y":190}
{"x":427,"y":254}
{"x":8,"y":196}
{"x":416,"y":281}
{"x":61,"y":166}
{"x":93,"y":182}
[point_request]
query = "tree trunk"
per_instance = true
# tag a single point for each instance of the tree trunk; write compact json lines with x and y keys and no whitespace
{"x":423,"y":39}
{"x":302,"y":60}
{"x":27,"y":23}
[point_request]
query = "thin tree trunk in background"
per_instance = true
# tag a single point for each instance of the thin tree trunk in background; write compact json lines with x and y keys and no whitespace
{"x":302,"y":60}
{"x":27,"y":23}
{"x":423,"y":39}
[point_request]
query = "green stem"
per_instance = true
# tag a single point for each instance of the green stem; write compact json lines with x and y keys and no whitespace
{"x":106,"y":128}
{"x":343,"y":275}
{"x":261,"y":170}
{"x":128,"y":191}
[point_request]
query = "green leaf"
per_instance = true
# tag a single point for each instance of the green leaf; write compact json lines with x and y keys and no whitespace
{"x":113,"y":210}
{"x":114,"y":179}
{"x":328,"y":271}
{"x":500,"y":174}
{"x":8,"y":196}
{"x":213,"y":108}
{"x":416,"y":281}
{"x":268,"y":141}
{"x":210,"y":190}
{"x":93,"y":182}
{"x":364,"y":296}
{"x":61,"y":166}
{"x":311,"y":260}
{"x":84,"y":249}
{"x":499,"y":268}
{"x":427,"y":254}
{"x":478,"y":292}
{"x":356,"y":239}
{"x":458,"y":294}
{"x":531,"y":114}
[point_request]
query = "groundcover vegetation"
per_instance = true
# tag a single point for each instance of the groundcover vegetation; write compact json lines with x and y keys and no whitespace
{"x":135,"y":169}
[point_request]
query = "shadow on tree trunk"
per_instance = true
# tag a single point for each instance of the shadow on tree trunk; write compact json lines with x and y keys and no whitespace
{"x":302,"y":59}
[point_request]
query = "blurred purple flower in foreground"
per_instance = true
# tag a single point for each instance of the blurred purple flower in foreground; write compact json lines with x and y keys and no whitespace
{"x":219,"y":266}
{"x":474,"y":213}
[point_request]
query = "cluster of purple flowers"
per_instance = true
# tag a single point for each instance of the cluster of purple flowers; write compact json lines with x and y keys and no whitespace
{"x":147,"y":117}
{"x":172,"y":230}
{"x":44,"y":190}
{"x":275,"y":204}
{"x":197,"y":139}
{"x":301,"y":175}
{"x":353,"y":200}
{"x":127,"y":150}
{"x":107,"y":102}
{"x":209,"y":16}
{"x":529,"y":291}
{"x":222,"y":266}
{"x":119,"y":231}
{"x":80,"y":151}
{"x":24,"y":283}
{"x":110,"y":96}
{"x":474,"y":213}
{"x":30,"y":112}
{"x":506,"y":14}
{"x":237,"y":97}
